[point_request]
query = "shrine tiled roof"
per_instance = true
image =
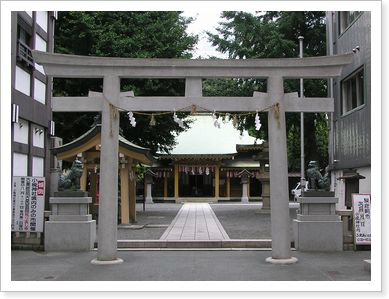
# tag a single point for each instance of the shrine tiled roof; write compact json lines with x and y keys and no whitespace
{"x":92,"y":133}
{"x":241,"y":163}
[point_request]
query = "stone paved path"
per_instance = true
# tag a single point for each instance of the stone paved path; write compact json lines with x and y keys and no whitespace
{"x":195,"y":221}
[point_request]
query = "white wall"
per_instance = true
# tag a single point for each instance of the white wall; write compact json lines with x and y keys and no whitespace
{"x":20,"y":165}
{"x":29,"y":13}
{"x":39,"y":91}
{"x":38,"y":139}
{"x":21,"y":131}
{"x":41,"y":45}
{"x":23,"y":81}
{"x":365,"y":184}
{"x":42,"y":19}
{"x":37,"y":166}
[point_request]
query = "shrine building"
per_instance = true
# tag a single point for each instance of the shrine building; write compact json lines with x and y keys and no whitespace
{"x":238,"y":176}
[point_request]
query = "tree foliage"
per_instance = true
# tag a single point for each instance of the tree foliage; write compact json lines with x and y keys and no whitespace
{"x":243,"y":35}
{"x":148,"y":34}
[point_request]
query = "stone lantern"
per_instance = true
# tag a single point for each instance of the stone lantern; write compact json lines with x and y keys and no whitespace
{"x":245,"y":177}
{"x":149,"y":174}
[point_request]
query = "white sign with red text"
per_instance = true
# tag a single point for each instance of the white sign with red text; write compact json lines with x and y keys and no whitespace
{"x":28,"y":203}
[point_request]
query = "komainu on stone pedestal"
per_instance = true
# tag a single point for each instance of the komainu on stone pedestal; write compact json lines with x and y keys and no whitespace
{"x":70,"y":180}
{"x":315,"y":179}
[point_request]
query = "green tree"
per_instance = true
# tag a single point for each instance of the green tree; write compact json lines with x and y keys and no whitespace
{"x":243,"y":35}
{"x":149,"y":34}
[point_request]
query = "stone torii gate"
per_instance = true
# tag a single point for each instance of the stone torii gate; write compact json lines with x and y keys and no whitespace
{"x":111,"y":101}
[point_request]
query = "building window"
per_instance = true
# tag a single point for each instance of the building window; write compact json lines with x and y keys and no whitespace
{"x":40,"y":45}
{"x":346,"y":18}
{"x":23,"y":36}
{"x":21,"y":131}
{"x":38,"y":136}
{"x":23,"y":81}
{"x":29,"y":13}
{"x":37,"y":166}
{"x":353,"y":91}
{"x":42,"y":19}
{"x":39,"y":91}
{"x":20,"y":164}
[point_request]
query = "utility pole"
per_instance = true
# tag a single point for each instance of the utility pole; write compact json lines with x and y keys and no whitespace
{"x":302,"y":179}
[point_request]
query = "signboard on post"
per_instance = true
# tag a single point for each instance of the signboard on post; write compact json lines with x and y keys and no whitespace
{"x":28,"y":203}
{"x":361,"y":216}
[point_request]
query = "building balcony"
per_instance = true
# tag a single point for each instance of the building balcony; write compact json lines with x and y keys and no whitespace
{"x":24,"y":54}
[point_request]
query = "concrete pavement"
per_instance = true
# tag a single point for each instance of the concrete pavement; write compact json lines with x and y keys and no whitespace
{"x":171,"y":264}
{"x":189,"y":265}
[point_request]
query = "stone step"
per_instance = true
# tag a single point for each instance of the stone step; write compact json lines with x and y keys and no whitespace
{"x":197,"y":199}
{"x":235,"y":243}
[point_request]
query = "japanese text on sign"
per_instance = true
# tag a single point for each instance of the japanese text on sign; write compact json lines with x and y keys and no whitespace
{"x":28,"y":201}
{"x":361,"y":213}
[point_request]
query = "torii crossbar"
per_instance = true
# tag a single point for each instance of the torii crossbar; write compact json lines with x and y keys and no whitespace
{"x":111,"y":101}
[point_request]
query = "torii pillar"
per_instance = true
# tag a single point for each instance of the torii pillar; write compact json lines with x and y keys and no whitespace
{"x":281,"y":252}
{"x":108,"y":200}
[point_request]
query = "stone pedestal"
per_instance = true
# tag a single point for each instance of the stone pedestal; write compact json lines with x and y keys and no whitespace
{"x":70,"y":226}
{"x":317,"y":227}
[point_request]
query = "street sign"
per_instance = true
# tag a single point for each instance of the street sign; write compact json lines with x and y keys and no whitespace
{"x":28,"y":202}
{"x":361,"y":216}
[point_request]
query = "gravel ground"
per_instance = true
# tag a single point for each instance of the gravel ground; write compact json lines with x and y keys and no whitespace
{"x":150,"y":224}
{"x":245,"y":222}
{"x":239,"y":221}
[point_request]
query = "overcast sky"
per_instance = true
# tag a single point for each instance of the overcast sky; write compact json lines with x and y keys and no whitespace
{"x":205,"y":20}
{"x":203,"y":137}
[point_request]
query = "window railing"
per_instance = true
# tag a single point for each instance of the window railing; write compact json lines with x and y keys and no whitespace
{"x":24,"y":54}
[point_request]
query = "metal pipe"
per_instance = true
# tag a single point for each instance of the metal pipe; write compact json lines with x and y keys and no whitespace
{"x":302,"y":179}
{"x":329,"y":16}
